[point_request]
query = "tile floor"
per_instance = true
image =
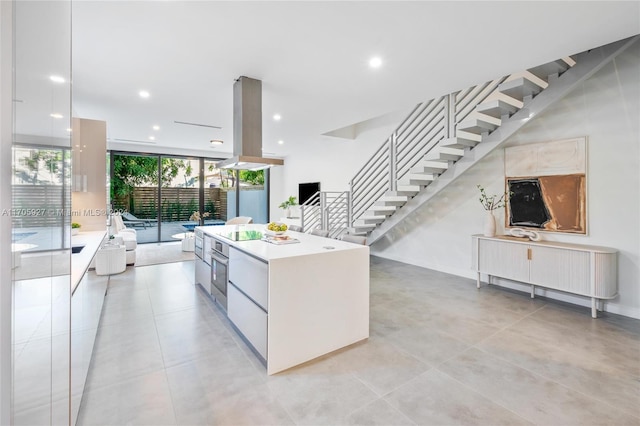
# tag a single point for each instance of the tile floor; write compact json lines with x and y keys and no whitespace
{"x":441,"y":352}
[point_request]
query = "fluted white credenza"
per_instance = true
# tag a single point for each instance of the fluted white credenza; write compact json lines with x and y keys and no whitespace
{"x":573,"y":268}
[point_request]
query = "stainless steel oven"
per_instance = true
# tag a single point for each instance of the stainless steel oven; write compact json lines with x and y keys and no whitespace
{"x":220,"y":272}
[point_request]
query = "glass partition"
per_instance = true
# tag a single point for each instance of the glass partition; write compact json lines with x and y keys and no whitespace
{"x":254,"y":201}
{"x":41,"y":305}
{"x":179,"y":194}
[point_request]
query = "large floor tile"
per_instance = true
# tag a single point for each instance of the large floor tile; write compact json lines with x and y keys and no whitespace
{"x":619,"y":351}
{"x":607,"y":383}
{"x":381,"y":366}
{"x":320,"y":393}
{"x":531,"y":396}
{"x":143,"y":400}
{"x":435,"y":398}
{"x":223,"y":388}
{"x":188,"y":335}
{"x":379,"y":412}
{"x":426,"y":344}
{"x":121,"y":353}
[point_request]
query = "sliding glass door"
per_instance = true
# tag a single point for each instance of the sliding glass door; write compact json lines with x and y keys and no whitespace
{"x":134,"y":192}
{"x":163,"y":196}
{"x":180,"y":195}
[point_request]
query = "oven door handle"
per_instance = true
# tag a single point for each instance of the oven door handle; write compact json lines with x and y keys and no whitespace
{"x":221,"y":260}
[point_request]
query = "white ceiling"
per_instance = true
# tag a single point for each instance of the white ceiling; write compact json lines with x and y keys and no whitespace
{"x":312,"y":58}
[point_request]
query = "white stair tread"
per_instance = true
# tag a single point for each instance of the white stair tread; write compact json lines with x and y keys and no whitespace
{"x":444,"y":153}
{"x":375,"y":208}
{"x":469,"y":136}
{"x":407,"y":188}
{"x":476,"y":125}
{"x":425,"y":166}
{"x":519,"y":88}
{"x":496,"y":108}
{"x":394,"y":198}
{"x":545,"y":70}
{"x":458,"y":142}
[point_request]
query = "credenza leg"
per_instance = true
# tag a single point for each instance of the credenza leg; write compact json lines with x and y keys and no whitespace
{"x":478,"y":281}
{"x":594,"y":310}
{"x":533,"y":291}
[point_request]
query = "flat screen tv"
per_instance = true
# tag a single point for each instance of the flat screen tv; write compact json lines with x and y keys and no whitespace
{"x":306,"y":191}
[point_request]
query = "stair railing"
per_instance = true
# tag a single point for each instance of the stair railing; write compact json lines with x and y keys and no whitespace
{"x":310,"y":213}
{"x":327,"y":210}
{"x":427,"y":124}
{"x":336,"y":213}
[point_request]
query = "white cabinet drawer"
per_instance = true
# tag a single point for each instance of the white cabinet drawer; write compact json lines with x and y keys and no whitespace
{"x":248,"y":318}
{"x":203,"y":275}
{"x":250,"y":275}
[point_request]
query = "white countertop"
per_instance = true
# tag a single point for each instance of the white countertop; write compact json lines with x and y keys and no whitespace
{"x":80,"y":261}
{"x":308,"y":245}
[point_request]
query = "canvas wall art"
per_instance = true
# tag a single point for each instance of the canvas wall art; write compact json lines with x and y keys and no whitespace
{"x":547,"y":186}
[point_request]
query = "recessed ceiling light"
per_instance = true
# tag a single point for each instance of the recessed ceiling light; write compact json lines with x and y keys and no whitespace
{"x":280,"y":142}
{"x":56,"y":115}
{"x":375,"y":62}
{"x":156,"y":127}
{"x":69,"y":129}
{"x":144,"y":94}
{"x":56,"y":79}
{"x":216,"y":142}
{"x":152,"y":138}
{"x":277,"y":117}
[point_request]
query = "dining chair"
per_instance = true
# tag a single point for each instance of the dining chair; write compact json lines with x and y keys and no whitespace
{"x":357,"y":239}
{"x":240,"y":220}
{"x":295,"y":228}
{"x":320,"y":232}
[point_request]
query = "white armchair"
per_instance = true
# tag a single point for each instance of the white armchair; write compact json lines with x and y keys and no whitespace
{"x":128,"y":235}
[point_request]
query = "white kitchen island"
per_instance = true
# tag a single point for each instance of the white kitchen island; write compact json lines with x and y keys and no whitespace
{"x":295,"y":302}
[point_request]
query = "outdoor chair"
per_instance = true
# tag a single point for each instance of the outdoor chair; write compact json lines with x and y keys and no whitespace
{"x":130,"y":219}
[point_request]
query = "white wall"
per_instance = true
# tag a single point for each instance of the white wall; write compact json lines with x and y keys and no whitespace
{"x":330,"y":161}
{"x":605,"y":109}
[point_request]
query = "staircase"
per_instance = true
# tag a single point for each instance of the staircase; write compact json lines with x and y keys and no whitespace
{"x":442,"y":138}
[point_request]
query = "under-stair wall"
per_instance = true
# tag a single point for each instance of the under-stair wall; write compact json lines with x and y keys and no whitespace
{"x":605,"y":108}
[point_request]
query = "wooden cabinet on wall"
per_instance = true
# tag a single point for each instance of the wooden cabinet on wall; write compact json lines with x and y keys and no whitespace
{"x":88,"y":174}
{"x":578,"y":269}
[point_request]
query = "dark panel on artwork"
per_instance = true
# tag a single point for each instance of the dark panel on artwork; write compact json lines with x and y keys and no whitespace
{"x":526,"y":205}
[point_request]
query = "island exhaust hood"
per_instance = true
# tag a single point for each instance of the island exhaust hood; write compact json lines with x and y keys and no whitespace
{"x":247,"y":128}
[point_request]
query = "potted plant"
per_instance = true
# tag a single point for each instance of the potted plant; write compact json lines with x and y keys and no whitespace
{"x":491,"y":203}
{"x":75,"y":228}
{"x":286,"y":205}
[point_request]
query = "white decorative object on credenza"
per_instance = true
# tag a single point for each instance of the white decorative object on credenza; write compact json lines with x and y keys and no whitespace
{"x":489,"y":224}
{"x":522,"y":233}
{"x":578,"y":269}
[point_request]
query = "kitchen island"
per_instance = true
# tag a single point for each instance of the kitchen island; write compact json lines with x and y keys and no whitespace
{"x":295,"y":302}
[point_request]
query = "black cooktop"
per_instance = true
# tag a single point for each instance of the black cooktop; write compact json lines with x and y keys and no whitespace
{"x":242,"y":235}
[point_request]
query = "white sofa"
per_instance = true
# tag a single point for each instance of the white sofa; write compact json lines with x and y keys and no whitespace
{"x":128,"y":235}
